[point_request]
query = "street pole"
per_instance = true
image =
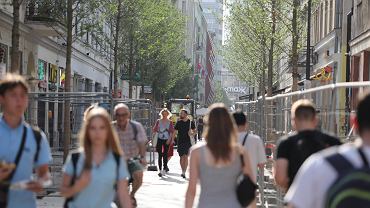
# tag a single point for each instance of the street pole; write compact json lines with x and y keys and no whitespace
{"x":308,"y":54}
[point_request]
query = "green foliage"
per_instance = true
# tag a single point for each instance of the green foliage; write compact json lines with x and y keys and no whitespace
{"x":221,"y":96}
{"x":151,"y":41}
{"x":250,"y":25}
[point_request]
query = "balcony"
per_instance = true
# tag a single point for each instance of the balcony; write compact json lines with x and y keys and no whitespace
{"x":45,"y":16}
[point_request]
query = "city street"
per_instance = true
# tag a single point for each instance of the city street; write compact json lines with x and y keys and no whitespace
{"x":168,"y":191}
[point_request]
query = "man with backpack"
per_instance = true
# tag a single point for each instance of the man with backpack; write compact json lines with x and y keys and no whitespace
{"x":23,"y":149}
{"x":133,"y":140}
{"x":294,"y":149}
{"x":338,"y":177}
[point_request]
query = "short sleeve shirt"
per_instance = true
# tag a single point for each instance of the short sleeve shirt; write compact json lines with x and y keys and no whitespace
{"x":296,"y":148}
{"x":129,"y":145}
{"x":100,"y":192}
{"x":183,"y":128}
{"x":160,"y":126}
{"x":316,"y":176}
{"x":10,"y":141}
{"x":256,"y":150}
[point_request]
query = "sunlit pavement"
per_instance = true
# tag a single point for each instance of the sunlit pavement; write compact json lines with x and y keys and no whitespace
{"x":168,"y":191}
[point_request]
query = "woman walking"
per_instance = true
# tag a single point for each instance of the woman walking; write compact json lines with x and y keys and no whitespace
{"x":217,"y":164}
{"x":165,"y":129}
{"x":98,"y":171}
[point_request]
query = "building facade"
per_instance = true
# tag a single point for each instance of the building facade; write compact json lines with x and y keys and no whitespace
{"x":43,"y":61}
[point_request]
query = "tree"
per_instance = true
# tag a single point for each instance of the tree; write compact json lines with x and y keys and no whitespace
{"x":14,"y":52}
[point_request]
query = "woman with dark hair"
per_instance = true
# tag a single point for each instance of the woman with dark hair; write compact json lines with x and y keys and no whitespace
{"x":217,"y":164}
{"x":98,"y":171}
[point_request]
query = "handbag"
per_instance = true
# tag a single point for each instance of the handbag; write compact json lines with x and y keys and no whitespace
{"x":155,"y":139}
{"x":245,"y":188}
{"x":192,"y":140}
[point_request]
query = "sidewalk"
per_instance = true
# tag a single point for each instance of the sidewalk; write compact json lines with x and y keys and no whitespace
{"x":168,"y":191}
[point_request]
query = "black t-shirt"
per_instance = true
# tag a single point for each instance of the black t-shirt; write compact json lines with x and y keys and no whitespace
{"x":183,"y":128}
{"x":298,"y":147}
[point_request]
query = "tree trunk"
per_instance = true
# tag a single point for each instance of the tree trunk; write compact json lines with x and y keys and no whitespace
{"x":269,"y":104}
{"x":67,"y":87}
{"x":15,"y":54}
{"x":131,"y":64}
{"x":295,"y":39}
{"x":116,"y":41}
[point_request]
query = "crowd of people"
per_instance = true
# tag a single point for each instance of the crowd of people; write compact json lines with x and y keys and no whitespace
{"x":313,"y":167}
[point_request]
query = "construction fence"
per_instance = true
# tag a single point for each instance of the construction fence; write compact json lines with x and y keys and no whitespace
{"x":270,"y":117}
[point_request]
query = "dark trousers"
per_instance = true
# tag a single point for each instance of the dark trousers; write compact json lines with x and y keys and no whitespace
{"x":162,"y":149}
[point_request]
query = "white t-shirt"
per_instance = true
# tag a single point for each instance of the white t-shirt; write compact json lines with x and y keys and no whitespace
{"x":255,"y":148}
{"x":316,"y":176}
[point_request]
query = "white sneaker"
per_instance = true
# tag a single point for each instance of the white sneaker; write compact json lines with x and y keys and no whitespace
{"x":163,"y":172}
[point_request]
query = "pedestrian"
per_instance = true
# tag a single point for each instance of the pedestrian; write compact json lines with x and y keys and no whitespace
{"x":184,"y":129}
{"x":165,"y":129}
{"x":339,"y":174}
{"x":133,"y":142}
{"x":252,"y":143}
{"x":200,"y":128}
{"x":23,"y":149}
{"x":98,"y":171}
{"x":217,"y":164}
{"x":296,"y":147}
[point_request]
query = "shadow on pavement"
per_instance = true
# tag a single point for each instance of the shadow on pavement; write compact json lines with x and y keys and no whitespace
{"x":174,"y":180}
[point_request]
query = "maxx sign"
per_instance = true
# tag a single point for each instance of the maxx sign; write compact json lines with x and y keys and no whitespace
{"x":236,"y":90}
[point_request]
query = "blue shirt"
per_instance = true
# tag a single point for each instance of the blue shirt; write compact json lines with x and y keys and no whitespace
{"x":10,"y":141}
{"x":100,"y":192}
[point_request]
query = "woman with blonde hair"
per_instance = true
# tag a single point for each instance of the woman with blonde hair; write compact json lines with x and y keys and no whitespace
{"x":218,"y":163}
{"x":164,"y":128}
{"x":89,"y":179}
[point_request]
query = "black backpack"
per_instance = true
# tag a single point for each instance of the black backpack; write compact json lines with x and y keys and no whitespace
{"x":74,"y":158}
{"x":352,"y":186}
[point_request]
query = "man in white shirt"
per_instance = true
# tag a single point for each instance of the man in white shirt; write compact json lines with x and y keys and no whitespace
{"x":252,"y":143}
{"x":316,"y":176}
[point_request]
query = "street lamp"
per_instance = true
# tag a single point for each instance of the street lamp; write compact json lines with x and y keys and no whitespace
{"x":308,"y":53}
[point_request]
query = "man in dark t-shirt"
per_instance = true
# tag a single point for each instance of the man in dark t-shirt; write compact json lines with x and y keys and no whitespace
{"x":183,"y":128}
{"x":295,"y":148}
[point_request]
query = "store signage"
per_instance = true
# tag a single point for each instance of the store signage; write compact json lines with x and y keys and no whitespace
{"x":236,"y":90}
{"x":148,"y":90}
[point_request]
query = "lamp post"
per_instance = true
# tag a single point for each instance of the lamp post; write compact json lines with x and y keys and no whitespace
{"x":308,"y":53}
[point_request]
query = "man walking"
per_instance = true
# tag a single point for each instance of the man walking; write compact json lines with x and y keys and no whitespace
{"x":133,"y":140}
{"x":22,"y":148}
{"x":184,"y":129}
{"x":294,"y":149}
{"x":252,"y":143}
{"x":337,"y":177}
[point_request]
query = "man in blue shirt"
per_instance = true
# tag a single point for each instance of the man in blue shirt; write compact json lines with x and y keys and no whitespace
{"x":20,"y":147}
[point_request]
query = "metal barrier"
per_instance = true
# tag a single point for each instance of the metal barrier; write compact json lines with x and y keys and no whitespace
{"x":270,"y":118}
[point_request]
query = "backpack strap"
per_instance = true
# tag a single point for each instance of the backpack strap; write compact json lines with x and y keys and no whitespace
{"x":363,"y":157}
{"x":245,"y":138}
{"x":339,"y":162}
{"x":134,"y":127}
{"x":19,"y":153}
{"x":74,"y":159}
{"x":38,"y":137}
{"x":117,"y":158}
